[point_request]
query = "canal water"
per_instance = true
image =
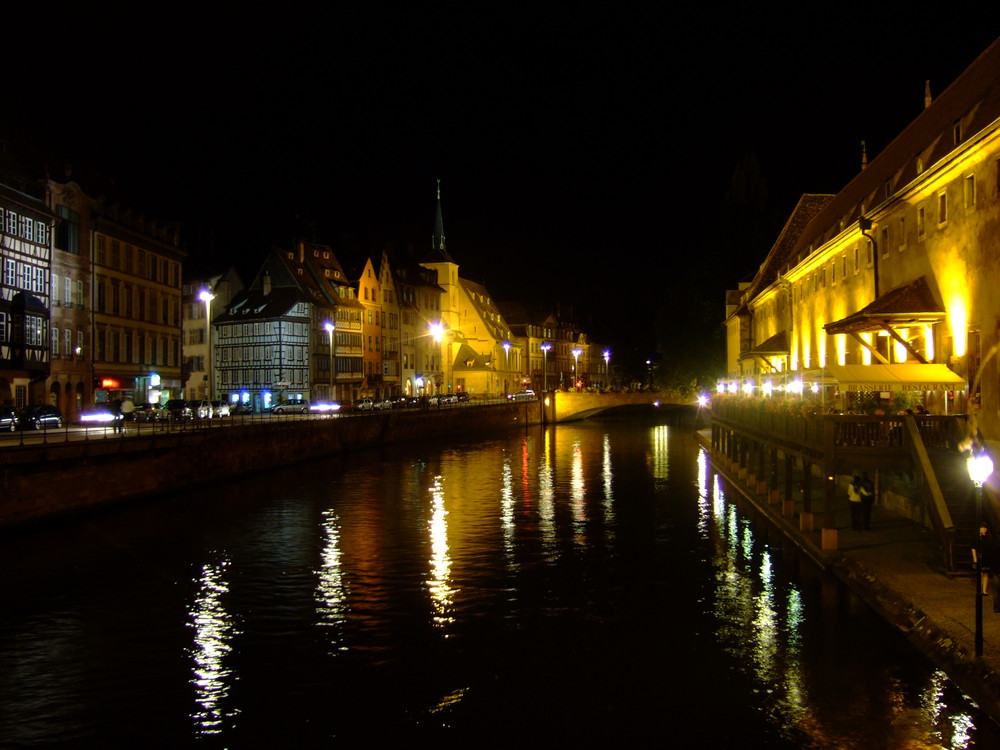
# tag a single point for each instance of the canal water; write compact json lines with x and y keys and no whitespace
{"x":588,"y":584}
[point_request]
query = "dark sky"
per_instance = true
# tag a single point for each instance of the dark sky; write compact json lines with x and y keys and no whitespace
{"x":583,"y":157}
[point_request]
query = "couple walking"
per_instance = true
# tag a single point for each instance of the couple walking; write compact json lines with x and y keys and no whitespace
{"x":861,"y":493}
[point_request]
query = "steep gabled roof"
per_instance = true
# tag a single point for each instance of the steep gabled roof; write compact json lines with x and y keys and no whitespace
{"x":972,"y":101}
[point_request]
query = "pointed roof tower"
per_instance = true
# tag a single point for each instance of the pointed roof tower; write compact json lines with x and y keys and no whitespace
{"x":439,"y":251}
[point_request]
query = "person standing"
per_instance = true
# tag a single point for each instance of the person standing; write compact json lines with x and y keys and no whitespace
{"x":866,"y":491}
{"x":854,"y":496}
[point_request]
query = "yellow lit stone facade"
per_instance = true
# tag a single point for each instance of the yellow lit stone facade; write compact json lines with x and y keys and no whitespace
{"x":901,"y":266}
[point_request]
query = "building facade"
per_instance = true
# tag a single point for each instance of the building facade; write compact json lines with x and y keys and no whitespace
{"x":26,"y":226}
{"x":893,"y":274}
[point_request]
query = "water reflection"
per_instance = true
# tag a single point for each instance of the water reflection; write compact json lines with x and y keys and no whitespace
{"x":214,"y":630}
{"x":331,"y":590}
{"x":546,"y":497}
{"x":771,"y":648}
{"x":439,"y":585}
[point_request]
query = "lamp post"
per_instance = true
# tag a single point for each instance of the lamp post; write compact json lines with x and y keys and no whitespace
{"x":607,"y":366}
{"x":545,"y":346}
{"x":206,"y":296}
{"x":577,"y":351}
{"x":329,"y":329}
{"x":437,"y":333}
{"x":506,"y":374}
{"x":980,"y":467}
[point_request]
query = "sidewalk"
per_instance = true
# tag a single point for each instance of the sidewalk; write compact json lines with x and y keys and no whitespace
{"x":895,"y":567}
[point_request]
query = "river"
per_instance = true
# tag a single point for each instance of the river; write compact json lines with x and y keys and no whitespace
{"x":589,"y":583}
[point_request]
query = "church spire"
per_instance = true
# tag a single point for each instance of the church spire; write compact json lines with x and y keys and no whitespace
{"x":439,"y":250}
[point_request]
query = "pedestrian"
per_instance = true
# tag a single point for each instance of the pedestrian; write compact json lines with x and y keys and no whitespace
{"x":116,"y":416}
{"x":991,"y":563}
{"x":866,"y":490}
{"x":128,"y":409}
{"x":854,"y":496}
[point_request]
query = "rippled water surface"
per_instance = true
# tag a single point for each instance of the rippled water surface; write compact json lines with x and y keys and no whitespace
{"x":587,"y":584}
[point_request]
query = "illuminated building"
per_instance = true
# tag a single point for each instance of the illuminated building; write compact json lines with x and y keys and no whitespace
{"x":896,"y":272}
{"x":473,"y":332}
{"x":25,"y":254}
{"x":220,"y":289}
{"x":70,"y":385}
{"x":136,"y":304}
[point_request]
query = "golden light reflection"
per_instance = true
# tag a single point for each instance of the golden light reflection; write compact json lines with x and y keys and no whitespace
{"x":214,"y":629}
{"x":660,"y":467}
{"x":331,"y":591}
{"x":507,"y":523}
{"x":609,"y":497}
{"x":439,"y":583}
{"x":546,"y":502}
{"x":578,"y":495}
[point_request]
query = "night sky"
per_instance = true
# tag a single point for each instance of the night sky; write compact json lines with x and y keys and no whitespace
{"x":584,"y":158}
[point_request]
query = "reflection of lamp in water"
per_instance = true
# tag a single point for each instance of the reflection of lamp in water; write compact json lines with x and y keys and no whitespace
{"x":980,"y":467}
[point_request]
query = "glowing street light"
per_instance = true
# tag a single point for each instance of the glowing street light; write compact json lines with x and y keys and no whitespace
{"x":329,"y":329}
{"x":206,"y":296}
{"x":980,"y":467}
{"x":506,"y":375}
{"x":545,"y":346}
{"x":577,"y":351}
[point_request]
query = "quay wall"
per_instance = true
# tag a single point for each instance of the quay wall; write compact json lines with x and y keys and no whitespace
{"x":56,"y":479}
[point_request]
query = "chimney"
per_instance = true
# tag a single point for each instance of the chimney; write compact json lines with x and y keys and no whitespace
{"x":927,"y":94}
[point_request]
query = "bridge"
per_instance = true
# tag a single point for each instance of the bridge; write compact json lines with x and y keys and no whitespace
{"x":567,"y":406}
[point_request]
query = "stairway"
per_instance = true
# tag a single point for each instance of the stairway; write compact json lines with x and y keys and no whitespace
{"x":953,"y":478}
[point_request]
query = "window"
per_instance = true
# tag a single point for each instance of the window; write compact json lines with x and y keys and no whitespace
{"x":68,"y":291}
{"x":902,"y":233}
{"x":885,"y":241}
{"x":920,"y":223}
{"x":957,"y":132}
{"x":942,"y":208}
{"x":68,"y":230}
{"x":68,"y":342}
{"x":55,"y":342}
{"x":99,"y":252}
{"x":55,"y":289}
{"x":969,"y":191}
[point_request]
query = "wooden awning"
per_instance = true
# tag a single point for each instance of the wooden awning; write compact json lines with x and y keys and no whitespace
{"x":776,"y":346}
{"x":910,"y":305}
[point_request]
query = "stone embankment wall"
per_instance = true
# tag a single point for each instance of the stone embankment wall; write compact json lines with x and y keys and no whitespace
{"x":41,"y":482}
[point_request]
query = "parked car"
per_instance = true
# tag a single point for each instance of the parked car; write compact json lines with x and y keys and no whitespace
{"x":201,"y":409}
{"x":241,"y":408}
{"x":364,"y":404}
{"x":442,"y":398}
{"x":148,"y":413}
{"x":8,"y":418}
{"x":39,"y":416}
{"x":405,"y":402}
{"x":220,"y":408}
{"x":178,"y":408}
{"x":291,"y":406}
{"x":461,"y":397}
{"x":528,"y":395}
{"x":382,"y":403}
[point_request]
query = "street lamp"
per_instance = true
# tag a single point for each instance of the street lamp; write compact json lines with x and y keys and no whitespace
{"x":577,"y":351}
{"x":545,"y":346}
{"x":506,"y":374}
{"x":206,"y":296}
{"x":437,"y":333}
{"x":607,"y":366}
{"x":980,"y":467}
{"x":329,"y":329}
